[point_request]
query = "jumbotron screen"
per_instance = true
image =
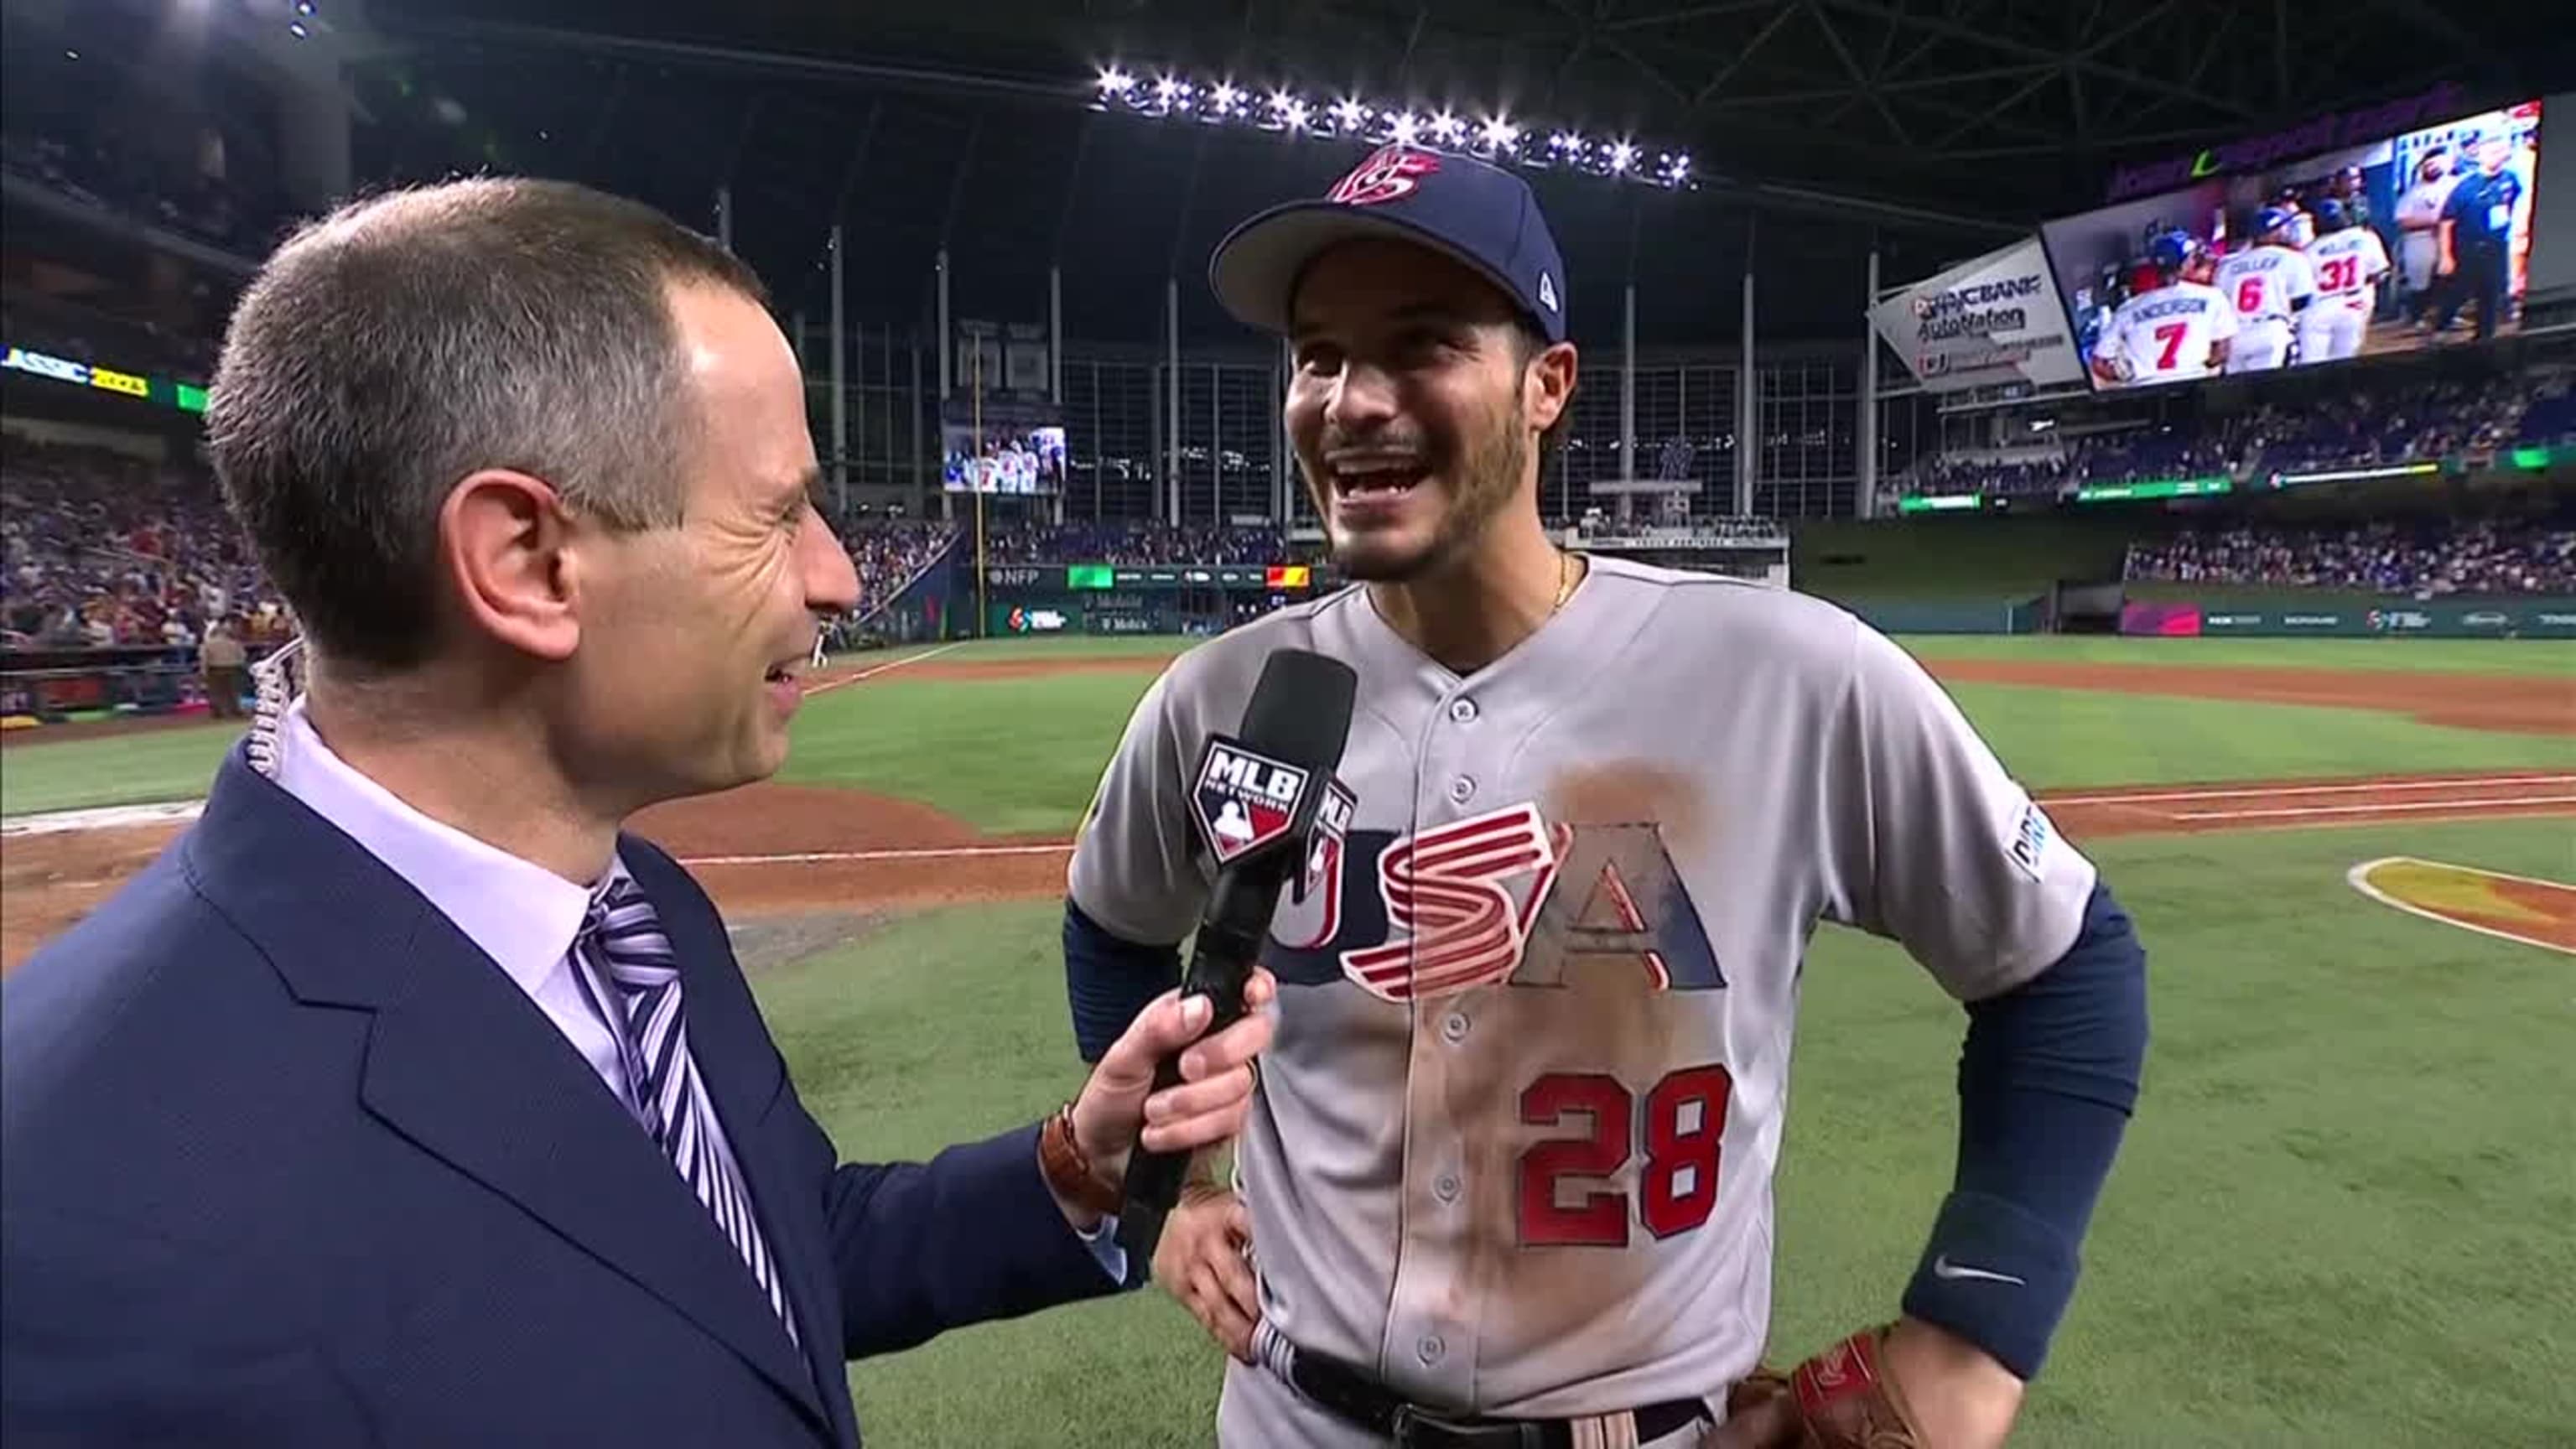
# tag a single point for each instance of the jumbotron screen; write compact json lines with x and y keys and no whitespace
{"x":2410,"y":242}
{"x":1005,"y":459}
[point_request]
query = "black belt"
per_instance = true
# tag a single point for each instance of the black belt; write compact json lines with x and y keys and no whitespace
{"x":1373,"y":1406}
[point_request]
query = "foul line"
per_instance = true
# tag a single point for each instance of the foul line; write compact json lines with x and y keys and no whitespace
{"x":2358,"y":879}
{"x":2370,"y":809}
{"x":837,"y":857}
{"x":829,"y":685}
{"x":2268,"y":792}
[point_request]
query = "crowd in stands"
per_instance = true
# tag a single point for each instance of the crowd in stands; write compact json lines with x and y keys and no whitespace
{"x":891,"y":553}
{"x":2426,"y":559}
{"x":1134,"y":544}
{"x":99,"y":548}
{"x":2366,"y":426}
{"x":2105,"y":458}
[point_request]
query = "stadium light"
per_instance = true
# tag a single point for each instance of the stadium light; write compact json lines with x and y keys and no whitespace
{"x":1350,"y":118}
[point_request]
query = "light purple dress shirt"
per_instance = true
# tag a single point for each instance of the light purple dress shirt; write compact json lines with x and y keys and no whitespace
{"x":522,"y":915}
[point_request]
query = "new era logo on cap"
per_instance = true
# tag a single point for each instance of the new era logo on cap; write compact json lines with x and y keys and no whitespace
{"x":1482,"y":215}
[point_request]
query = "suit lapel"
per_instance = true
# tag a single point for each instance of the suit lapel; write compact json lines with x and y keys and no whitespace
{"x":739,"y":1067}
{"x":463,"y":1064}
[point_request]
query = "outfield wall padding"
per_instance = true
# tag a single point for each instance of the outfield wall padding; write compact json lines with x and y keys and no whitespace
{"x":2287,"y":616}
{"x":1947,"y":616}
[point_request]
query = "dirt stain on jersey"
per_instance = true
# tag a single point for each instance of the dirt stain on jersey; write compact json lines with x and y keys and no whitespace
{"x":1533,"y":1297}
{"x":1631,"y":793}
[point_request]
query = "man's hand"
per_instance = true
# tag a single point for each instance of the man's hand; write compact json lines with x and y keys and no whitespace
{"x":1204,"y":1261}
{"x":1208,"y":1106}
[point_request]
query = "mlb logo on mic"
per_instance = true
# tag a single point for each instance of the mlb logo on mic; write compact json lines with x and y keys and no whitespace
{"x":1245,"y":801}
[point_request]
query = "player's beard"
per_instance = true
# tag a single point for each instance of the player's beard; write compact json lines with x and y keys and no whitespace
{"x":1480,"y":484}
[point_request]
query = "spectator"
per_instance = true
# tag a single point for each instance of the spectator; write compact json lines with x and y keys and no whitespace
{"x":226,"y":672}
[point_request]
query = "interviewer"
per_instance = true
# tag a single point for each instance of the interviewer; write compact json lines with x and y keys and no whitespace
{"x":407,"y":1099}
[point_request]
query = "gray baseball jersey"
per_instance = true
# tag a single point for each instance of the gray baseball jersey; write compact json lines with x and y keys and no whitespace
{"x":1513,"y":1146}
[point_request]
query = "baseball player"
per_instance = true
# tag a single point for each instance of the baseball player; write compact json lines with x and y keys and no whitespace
{"x":2270,"y":283}
{"x":2349,"y":260}
{"x":2176,"y":331}
{"x":1509,"y":1174}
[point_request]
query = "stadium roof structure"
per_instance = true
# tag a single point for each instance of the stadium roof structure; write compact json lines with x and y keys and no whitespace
{"x":1816,"y":129}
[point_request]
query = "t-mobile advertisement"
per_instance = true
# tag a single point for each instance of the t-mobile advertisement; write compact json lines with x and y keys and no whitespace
{"x":2418,"y":240}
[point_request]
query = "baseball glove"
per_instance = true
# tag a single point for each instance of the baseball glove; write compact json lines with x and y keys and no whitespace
{"x":1840,"y":1399}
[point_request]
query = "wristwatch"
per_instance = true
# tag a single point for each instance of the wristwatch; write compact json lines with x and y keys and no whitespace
{"x":1069,"y":1171}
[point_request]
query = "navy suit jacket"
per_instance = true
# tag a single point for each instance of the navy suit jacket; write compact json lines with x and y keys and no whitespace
{"x":285,"y":1160}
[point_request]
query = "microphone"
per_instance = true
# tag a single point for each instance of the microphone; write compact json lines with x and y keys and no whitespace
{"x":1255,"y":797}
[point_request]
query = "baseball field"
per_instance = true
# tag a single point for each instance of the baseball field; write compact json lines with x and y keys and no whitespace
{"x":2344,"y":1212}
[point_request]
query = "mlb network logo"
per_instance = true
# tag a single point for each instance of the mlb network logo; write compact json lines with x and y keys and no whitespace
{"x":1244,"y":800}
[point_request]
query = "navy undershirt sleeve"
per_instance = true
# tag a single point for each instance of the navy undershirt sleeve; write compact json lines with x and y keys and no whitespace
{"x":1109,"y":980}
{"x":2047,"y":1082}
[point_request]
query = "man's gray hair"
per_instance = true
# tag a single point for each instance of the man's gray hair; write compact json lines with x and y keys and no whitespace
{"x":392,"y":348}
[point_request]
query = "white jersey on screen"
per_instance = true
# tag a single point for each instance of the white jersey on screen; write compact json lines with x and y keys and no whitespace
{"x":2266,"y":286}
{"x":2348,"y":264}
{"x":2165,"y":335}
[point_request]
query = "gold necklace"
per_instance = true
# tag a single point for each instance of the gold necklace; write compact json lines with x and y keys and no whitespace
{"x":1565,"y":580}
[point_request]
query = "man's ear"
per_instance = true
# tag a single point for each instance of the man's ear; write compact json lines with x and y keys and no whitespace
{"x":1547,"y":384}
{"x":502,"y":544}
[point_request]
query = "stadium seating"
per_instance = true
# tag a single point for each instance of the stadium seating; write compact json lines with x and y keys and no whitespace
{"x":2431,"y":558}
{"x":1136,"y":544}
{"x":2415,"y":420}
{"x":100,"y":548}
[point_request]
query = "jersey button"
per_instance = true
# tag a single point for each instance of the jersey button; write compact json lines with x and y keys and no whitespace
{"x":1445,"y":1187}
{"x":1455,"y":1028}
{"x":1431,"y":1349}
{"x":1462,"y":790}
{"x":1463,"y":710}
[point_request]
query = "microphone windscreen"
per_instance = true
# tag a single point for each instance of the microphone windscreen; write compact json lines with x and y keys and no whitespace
{"x":1300,"y":712}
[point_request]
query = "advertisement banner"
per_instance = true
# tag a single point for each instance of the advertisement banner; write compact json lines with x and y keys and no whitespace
{"x":2284,"y":616}
{"x":1994,"y":319}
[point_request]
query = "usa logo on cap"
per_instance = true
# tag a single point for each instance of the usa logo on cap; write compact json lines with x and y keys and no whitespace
{"x":1389,"y":173}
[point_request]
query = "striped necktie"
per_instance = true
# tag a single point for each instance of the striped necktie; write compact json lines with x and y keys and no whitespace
{"x":621,"y":943}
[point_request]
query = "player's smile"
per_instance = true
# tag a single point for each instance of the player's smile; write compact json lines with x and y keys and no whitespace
{"x":1373,"y":486}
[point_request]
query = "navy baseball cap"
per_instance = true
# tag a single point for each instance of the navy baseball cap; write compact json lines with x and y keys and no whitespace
{"x":1470,"y":210}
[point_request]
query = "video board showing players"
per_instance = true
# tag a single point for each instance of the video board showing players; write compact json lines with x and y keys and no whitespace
{"x":1006,"y":459}
{"x":2417,"y":241}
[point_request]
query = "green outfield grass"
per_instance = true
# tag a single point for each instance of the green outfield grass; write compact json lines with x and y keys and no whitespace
{"x":149,"y":765}
{"x":2340,"y":1219}
{"x":1020,"y":755}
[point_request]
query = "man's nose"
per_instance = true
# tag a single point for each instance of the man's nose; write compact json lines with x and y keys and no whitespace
{"x":831,"y":580}
{"x":1362,"y":399}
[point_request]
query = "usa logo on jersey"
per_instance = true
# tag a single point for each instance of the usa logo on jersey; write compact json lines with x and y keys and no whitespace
{"x":1504,"y":897}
